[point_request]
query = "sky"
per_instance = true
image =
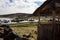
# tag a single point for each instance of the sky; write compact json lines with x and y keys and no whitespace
{"x":19,"y":6}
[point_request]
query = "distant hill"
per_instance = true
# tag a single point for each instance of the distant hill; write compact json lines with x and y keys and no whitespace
{"x":13,"y":15}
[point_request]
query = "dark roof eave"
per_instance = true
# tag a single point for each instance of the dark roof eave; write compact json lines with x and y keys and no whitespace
{"x":37,"y":11}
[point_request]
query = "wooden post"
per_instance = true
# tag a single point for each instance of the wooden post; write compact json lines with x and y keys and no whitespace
{"x":38,"y":37}
{"x":58,"y":22}
{"x":54,"y":25}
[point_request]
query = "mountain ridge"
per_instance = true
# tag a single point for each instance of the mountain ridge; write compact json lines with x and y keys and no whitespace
{"x":13,"y":15}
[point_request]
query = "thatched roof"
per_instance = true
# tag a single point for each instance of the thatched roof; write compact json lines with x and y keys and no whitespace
{"x":47,"y":7}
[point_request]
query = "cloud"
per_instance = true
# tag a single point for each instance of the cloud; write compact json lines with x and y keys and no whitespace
{"x":11,"y":1}
{"x":34,"y":0}
{"x":20,"y":6}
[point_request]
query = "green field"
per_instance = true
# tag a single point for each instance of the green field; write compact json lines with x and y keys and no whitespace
{"x":25,"y":28}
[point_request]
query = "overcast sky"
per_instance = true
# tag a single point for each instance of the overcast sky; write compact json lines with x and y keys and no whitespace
{"x":19,"y":6}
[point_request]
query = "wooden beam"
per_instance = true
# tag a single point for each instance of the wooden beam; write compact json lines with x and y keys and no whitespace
{"x":58,"y":21}
{"x":38,"y":28}
{"x":54,"y":24}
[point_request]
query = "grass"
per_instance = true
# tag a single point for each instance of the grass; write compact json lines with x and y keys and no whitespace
{"x":28,"y":24}
{"x":25,"y":28}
